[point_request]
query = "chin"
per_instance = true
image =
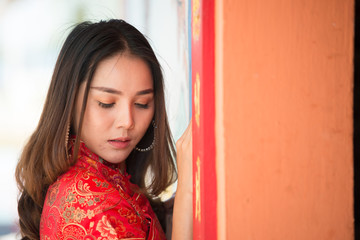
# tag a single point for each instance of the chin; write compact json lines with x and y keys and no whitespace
{"x":117,"y":159}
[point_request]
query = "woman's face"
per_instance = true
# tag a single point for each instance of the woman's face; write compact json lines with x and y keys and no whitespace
{"x":120,"y":107}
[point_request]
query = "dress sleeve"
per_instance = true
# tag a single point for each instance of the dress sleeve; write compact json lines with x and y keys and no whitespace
{"x":83,"y":206}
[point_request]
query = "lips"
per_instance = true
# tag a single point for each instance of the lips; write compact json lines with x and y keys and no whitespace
{"x":119,"y":143}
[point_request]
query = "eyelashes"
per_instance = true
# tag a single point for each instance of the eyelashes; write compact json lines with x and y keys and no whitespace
{"x":110,"y":105}
{"x":144,"y":106}
{"x":106,"y":105}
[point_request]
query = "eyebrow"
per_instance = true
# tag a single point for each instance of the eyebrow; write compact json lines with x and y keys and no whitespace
{"x":117,"y":92}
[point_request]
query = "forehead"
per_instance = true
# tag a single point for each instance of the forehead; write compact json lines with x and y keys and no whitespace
{"x":123,"y":71}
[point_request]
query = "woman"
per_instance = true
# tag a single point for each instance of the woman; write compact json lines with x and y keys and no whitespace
{"x":102,"y":152}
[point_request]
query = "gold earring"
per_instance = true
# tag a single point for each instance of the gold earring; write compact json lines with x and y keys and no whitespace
{"x":67,"y":140}
{"x":67,"y":135}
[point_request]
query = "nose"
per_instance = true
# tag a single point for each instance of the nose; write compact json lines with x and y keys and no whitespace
{"x":124,"y":118}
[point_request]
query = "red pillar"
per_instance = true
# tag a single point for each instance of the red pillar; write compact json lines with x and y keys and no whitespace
{"x":205,"y":191}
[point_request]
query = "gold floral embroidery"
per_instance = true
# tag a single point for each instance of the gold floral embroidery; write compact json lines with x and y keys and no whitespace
{"x":68,"y":214}
{"x":70,"y":197}
{"x":106,"y":227}
{"x":100,"y":183}
{"x":94,"y":202}
{"x":90,"y":202}
{"x":90,"y":214}
{"x":53,"y":192}
{"x":79,"y":214}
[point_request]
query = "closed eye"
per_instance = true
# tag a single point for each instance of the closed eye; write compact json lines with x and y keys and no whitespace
{"x":144,"y":106}
{"x":105,"y":105}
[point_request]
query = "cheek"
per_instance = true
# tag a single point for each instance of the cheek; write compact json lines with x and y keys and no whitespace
{"x":146,"y":120}
{"x":95,"y":119}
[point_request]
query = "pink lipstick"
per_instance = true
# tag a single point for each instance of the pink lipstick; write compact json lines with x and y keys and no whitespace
{"x":119,"y":143}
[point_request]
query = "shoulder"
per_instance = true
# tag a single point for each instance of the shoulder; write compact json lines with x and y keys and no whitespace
{"x":83,"y":202}
{"x":78,"y":181}
{"x":81,"y":188}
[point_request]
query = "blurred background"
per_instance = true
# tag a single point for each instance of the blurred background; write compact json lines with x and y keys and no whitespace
{"x":31,"y":35}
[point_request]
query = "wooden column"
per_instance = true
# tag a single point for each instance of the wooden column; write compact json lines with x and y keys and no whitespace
{"x":284,"y":77}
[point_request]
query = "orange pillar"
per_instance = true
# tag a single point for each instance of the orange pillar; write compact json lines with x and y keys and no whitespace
{"x":283,"y":93}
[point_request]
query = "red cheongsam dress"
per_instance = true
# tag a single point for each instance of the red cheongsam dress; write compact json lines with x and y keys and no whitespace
{"x":95,"y":201}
